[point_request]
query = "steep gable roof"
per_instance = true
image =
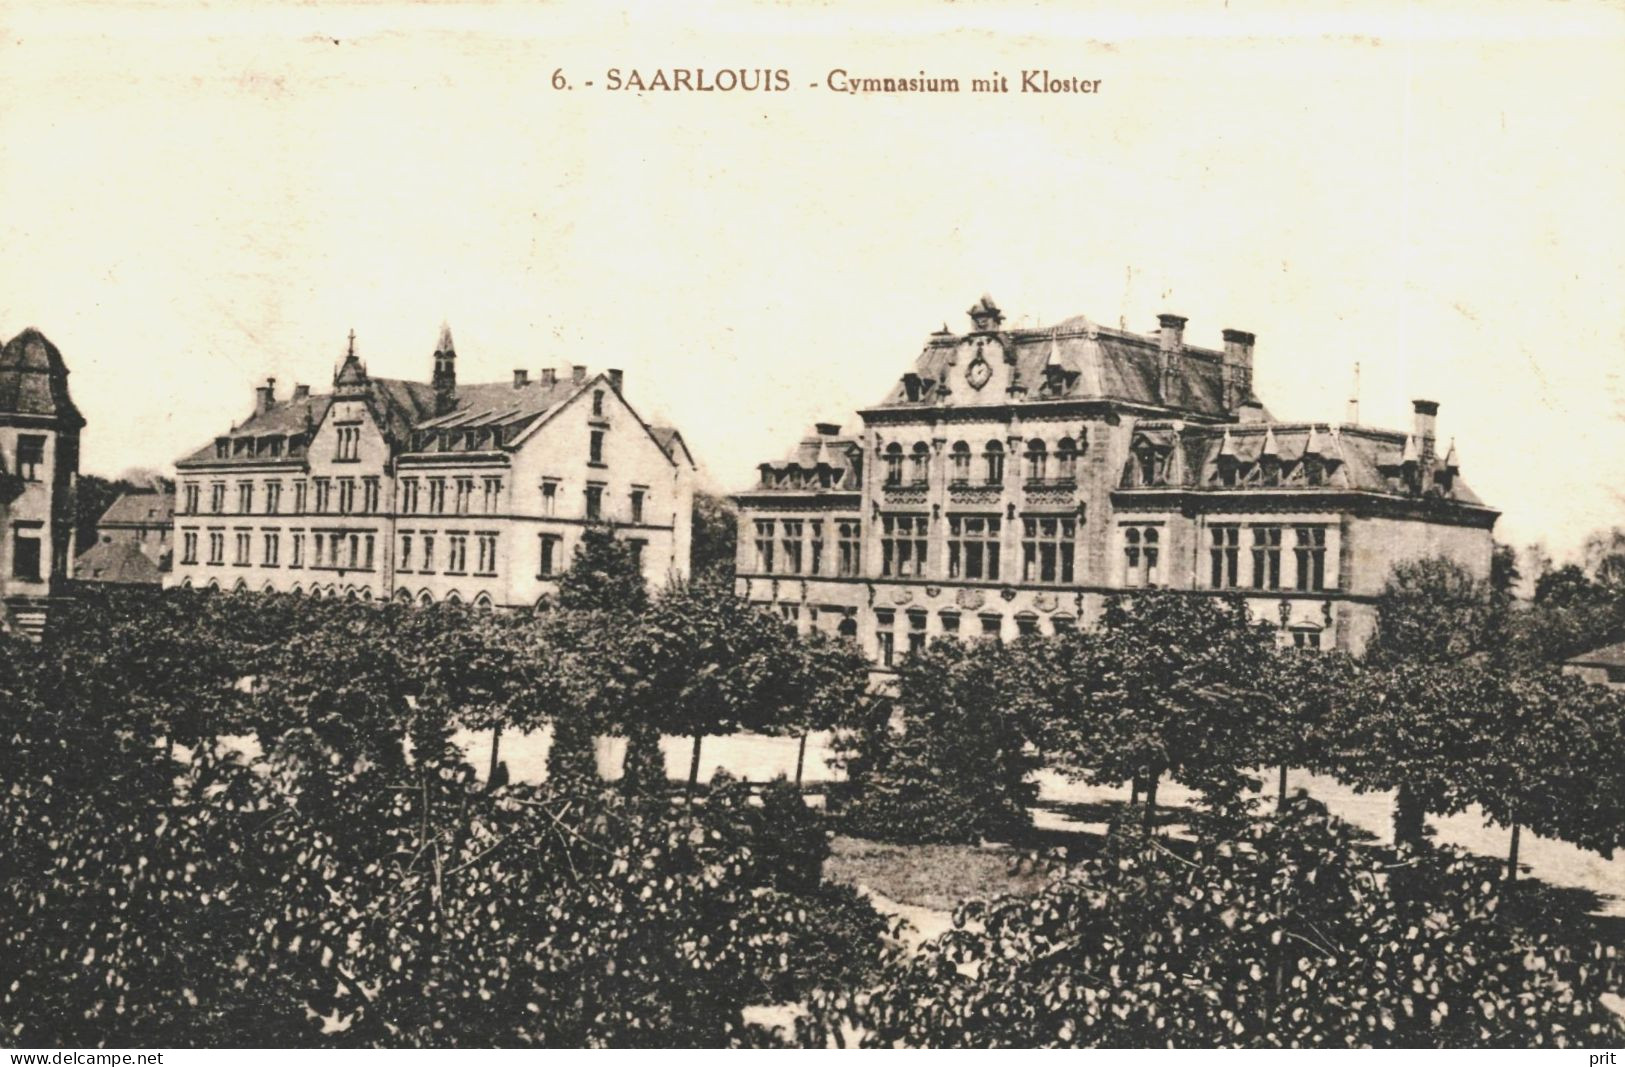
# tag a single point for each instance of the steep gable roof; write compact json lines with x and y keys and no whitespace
{"x":121,"y":562}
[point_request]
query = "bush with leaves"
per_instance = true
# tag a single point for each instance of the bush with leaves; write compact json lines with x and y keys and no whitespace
{"x":1285,"y":934}
{"x":947,"y":761}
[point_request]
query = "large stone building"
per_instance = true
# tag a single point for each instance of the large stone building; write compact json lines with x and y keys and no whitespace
{"x":1014,"y":478}
{"x":39,"y":462}
{"x":133,"y":540}
{"x":437,"y":491}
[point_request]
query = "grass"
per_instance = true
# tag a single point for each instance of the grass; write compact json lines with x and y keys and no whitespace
{"x":939,"y":877}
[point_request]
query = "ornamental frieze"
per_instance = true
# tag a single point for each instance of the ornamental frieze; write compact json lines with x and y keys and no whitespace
{"x":1046,"y":601}
{"x":906,"y":494}
{"x":974,"y":494}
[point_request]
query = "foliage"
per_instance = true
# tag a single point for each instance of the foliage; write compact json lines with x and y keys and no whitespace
{"x":92,"y":496}
{"x":954,"y":766}
{"x":1434,"y":610}
{"x":715,"y":536}
{"x":603,"y":576}
{"x":1308,"y":686}
{"x":1285,"y":935}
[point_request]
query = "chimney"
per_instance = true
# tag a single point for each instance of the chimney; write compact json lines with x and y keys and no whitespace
{"x":1171,"y":342}
{"x":521,"y":377}
{"x":301,"y":392}
{"x":1238,"y":367}
{"x":827,"y":429}
{"x":265,"y":396}
{"x":616,"y":378}
{"x":445,"y":372}
{"x":985,"y":315}
{"x":550,"y":376}
{"x":1422,"y":426}
{"x":578,"y":374}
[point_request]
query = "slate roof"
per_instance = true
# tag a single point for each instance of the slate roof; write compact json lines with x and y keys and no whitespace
{"x":1093,"y":362}
{"x":120,"y":562}
{"x":501,"y":408}
{"x":817,"y":456}
{"x":34,"y":379}
{"x":150,"y":508}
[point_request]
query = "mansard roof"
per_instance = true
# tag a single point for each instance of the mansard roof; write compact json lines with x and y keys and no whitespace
{"x":825,"y":460}
{"x":1076,"y":360}
{"x":34,"y":380}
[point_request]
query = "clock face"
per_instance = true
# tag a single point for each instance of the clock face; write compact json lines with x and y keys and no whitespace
{"x":978,"y":372}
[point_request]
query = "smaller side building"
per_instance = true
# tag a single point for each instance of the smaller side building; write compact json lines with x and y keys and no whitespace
{"x":1603,"y":666}
{"x":133,"y":541}
{"x":39,"y":463}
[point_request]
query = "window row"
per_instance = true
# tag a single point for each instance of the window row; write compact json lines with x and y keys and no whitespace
{"x":427,"y":496}
{"x":1048,"y":548}
{"x":331,"y":550}
{"x":1265,"y":555}
{"x":339,"y":496}
{"x":987,"y":626}
{"x":420,"y":553}
{"x":1038,"y":463}
{"x":798,"y":546}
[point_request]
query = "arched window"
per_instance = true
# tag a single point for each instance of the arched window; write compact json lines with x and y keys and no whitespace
{"x":425,"y":599}
{"x":453,"y":598}
{"x":350,"y":594}
{"x":848,"y":627}
{"x":402,"y":596}
{"x":1037,"y":460}
{"x":1066,"y":460}
{"x":483,"y":603}
{"x":961,"y":462}
{"x":920,"y":473}
{"x":1142,"y":549}
{"x":1152,"y":552}
{"x":994,"y":456}
{"x":240,"y":587}
{"x":366,"y":595}
{"x":894,"y":464}
{"x":186,"y":584}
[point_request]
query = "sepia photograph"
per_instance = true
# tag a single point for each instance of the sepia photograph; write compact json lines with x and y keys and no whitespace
{"x":909,"y":525}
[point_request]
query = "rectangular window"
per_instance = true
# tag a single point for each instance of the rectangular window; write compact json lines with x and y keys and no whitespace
{"x":191,"y":505}
{"x":217,"y":547}
{"x":961,"y":464}
{"x":30,"y":458}
{"x":245,"y":498}
{"x":1266,"y":557}
{"x":437,"y":496}
{"x":296,"y":551}
{"x":456,"y":553}
{"x":493,"y":495}
{"x":349,"y":443}
{"x":428,"y":554}
{"x":323,"y":495}
{"x":550,"y":496}
{"x":992,"y":625}
{"x":299,"y":498}
{"x":273,"y":548}
{"x":409,"y":496}
{"x":1224,"y":556}
{"x":1306,"y":639}
{"x":367,"y":544}
{"x":637,"y":546}
{"x":595,"y":503}
{"x":764,"y":546}
{"x":189,"y":546}
{"x":973,"y":547}
{"x":549,"y":565}
{"x":950,"y":622}
{"x":273,"y":497}
{"x":885,"y":640}
{"x":916,"y":631}
{"x":354,"y":541}
{"x":1142,"y":556}
{"x":1047,"y":549}
{"x":465,"y":494}
{"x":849,"y":545}
{"x":25,"y":555}
{"x":244,"y":543}
{"x":815,"y":546}
{"x":346,"y":495}
{"x":637,"y":505}
{"x":406,"y":553}
{"x":217,"y":497}
{"x":595,"y":448}
{"x":902,"y":546}
{"x":792,"y":545}
{"x":487,"y":546}
{"x":995,"y":463}
{"x":318,"y":545}
{"x":1310,"y":550}
{"x":369,"y":495}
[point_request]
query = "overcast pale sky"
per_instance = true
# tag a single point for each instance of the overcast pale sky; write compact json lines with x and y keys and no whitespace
{"x":193,"y":198}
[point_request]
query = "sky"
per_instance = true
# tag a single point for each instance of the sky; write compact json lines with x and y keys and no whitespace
{"x":194,"y":197}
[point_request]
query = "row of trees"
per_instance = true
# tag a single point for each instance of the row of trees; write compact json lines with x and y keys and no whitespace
{"x":1170,"y":686}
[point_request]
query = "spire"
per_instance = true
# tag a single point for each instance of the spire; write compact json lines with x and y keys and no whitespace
{"x":351,"y":377}
{"x":1314,"y":446}
{"x":444,"y":345}
{"x":1227,"y":447}
{"x":1452,"y":462}
{"x":1412,"y":453}
{"x":445,"y":372}
{"x":1272,"y":448}
{"x":1354,"y":398}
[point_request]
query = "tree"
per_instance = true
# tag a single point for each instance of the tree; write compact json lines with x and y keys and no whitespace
{"x":1434,"y":610}
{"x":1169,"y":685}
{"x":1281,"y":933}
{"x":1307,"y":686}
{"x":1504,"y":576}
{"x":830,"y":677}
{"x":714,"y":539}
{"x":604,"y":575}
{"x":949,"y":759}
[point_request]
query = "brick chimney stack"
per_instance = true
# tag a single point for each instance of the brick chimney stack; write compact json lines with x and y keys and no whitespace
{"x":265,"y":397}
{"x":578,"y":374}
{"x":521,"y":377}
{"x":1424,"y":427}
{"x":1238,"y":367}
{"x":550,"y":377}
{"x":301,"y":392}
{"x":1171,"y":342}
{"x":616,"y":378}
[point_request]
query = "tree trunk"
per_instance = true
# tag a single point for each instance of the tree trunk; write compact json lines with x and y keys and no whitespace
{"x":1512,"y":854}
{"x":1409,"y":817}
{"x":1280,"y":800}
{"x":496,"y":742}
{"x":801,"y":758}
{"x":693,"y":770}
{"x":1150,"y":801}
{"x":1134,"y":791}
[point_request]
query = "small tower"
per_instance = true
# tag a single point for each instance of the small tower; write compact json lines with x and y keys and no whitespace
{"x":445,"y":372}
{"x":350,"y":380}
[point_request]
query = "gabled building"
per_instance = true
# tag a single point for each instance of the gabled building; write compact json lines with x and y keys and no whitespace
{"x":436,"y":491}
{"x":1014,"y":478}
{"x":39,"y":463}
{"x":137,"y":523}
